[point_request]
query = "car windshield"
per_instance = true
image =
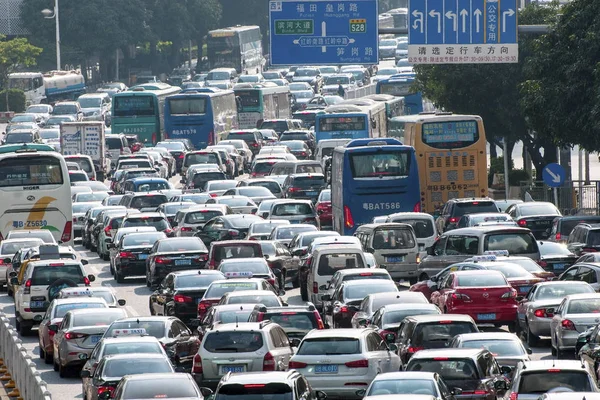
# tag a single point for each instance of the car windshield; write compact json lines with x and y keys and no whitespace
{"x":230,"y":316}
{"x":181,"y":245}
{"x":160,"y":223}
{"x":45,"y":275}
{"x":49,"y":134}
{"x":516,"y":243}
{"x":145,"y":239}
{"x":217,"y":290}
{"x":360,"y":291}
{"x":160,"y":389}
{"x":288,"y":232}
{"x":233,"y":342}
{"x":481,"y":280}
{"x":498,"y":347}
{"x":269,"y":300}
{"x":256,"y":267}
{"x":396,"y":317}
{"x":559,"y":291}
{"x":96,"y":319}
{"x":329,"y":346}
{"x":129,"y":348}
{"x":131,"y":366}
{"x":449,"y":369}
{"x":330,"y":263}
{"x":427,"y":333}
{"x":194,"y":281}
{"x":538,"y":382}
{"x":403,"y":386}
{"x":584,"y":306}
{"x":148,"y":201}
{"x":62,"y":309}
{"x":152,"y":328}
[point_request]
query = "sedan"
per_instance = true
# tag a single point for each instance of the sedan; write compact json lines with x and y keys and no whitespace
{"x":174,"y":254}
{"x":158,"y":386}
{"x":279,"y":258}
{"x":285,"y":233}
{"x":180,"y":292}
{"x":536,"y":215}
{"x":261,"y":230}
{"x":536,"y":310}
{"x":409,"y":383}
{"x":555,"y":257}
{"x":576,"y":313}
{"x":507,"y":348}
{"x":256,"y":193}
{"x":373,"y":302}
{"x":268,"y":183}
{"x":324,"y":209}
{"x":226,"y":227}
{"x":388,"y":318}
{"x":218,"y":188}
{"x":226,"y":314}
{"x":239,"y":204}
{"x":518,"y":277}
{"x":299,"y":148}
{"x":265,"y":297}
{"x":170,"y":209}
{"x":586,"y":272}
{"x":254,"y":267}
{"x":131,"y":253}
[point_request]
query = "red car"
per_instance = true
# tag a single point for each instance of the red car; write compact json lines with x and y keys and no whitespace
{"x":427,"y":287}
{"x":486,"y":296}
{"x":323,"y":207}
{"x":517,"y":276}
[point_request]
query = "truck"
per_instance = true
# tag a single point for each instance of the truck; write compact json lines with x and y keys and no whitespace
{"x":49,"y":87}
{"x":86,"y":138}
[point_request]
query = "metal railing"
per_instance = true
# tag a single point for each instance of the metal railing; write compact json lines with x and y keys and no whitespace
{"x":360,"y":91}
{"x":573,"y":198}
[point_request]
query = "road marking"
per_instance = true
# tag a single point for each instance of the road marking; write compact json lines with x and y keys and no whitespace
{"x":132,"y":312}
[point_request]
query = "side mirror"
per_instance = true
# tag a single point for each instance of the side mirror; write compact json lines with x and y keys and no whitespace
{"x":505,"y":369}
{"x":361,"y":393}
{"x":265,"y":215}
{"x":434,"y":278}
{"x":91,"y":277}
{"x":121,"y":302}
{"x":323,"y":287}
{"x":266,"y":256}
{"x":500,"y":385}
{"x":529,"y":351}
{"x":85,"y":374}
{"x":392,"y":347}
{"x":206,"y":391}
{"x":390,"y":338}
{"x":520,"y":298}
{"x":430,"y":251}
{"x":85,"y":262}
{"x":53,"y":328}
{"x":294,"y":342}
{"x":298,"y":252}
{"x":323,"y":396}
{"x":326,"y":297}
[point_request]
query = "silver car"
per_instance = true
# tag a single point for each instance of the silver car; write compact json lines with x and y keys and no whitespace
{"x":506,"y":347}
{"x":261,"y":230}
{"x":535,"y":311}
{"x":8,"y":249}
{"x":257,"y":193}
{"x":285,"y":233}
{"x":575,"y":314}
{"x":295,"y":211}
{"x":188,"y":221}
{"x":79,"y":211}
{"x":239,"y":204}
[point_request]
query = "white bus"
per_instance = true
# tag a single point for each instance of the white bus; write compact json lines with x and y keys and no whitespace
{"x":35,"y":190}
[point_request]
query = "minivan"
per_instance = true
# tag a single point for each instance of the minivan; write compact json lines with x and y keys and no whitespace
{"x":394,"y":246}
{"x":422,"y":223}
{"x":116,"y":145}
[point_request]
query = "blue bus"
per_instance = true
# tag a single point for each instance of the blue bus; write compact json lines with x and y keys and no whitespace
{"x":200,"y":116}
{"x":352,"y":119}
{"x":372,"y":177}
{"x":400,"y":85}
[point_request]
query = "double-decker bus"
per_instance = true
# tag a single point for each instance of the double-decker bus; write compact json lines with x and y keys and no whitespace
{"x":371,"y":177}
{"x":200,"y":116}
{"x":140,"y":111}
{"x":451,"y":154}
{"x":35,"y":190}
{"x":352,"y":119}
{"x":259,"y":102}
{"x":238,"y":47}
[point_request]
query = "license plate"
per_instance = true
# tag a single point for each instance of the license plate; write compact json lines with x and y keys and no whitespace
{"x":183,"y":262}
{"x":326,"y":369}
{"x":95,"y":339}
{"x":486,"y":317}
{"x":542,"y":223}
{"x":37,"y":304}
{"x":558,"y":266}
{"x":311,"y":193}
{"x":394,"y":259}
{"x":232,"y":368}
{"x":524,"y":289}
{"x":294,"y":222}
{"x":142,"y":256}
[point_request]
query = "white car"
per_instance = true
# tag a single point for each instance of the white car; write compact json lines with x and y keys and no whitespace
{"x":341,"y":362}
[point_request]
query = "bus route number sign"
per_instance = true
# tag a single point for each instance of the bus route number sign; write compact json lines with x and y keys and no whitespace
{"x":358,"y":26}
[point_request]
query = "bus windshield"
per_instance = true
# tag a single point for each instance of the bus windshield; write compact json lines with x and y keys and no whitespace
{"x":127,"y":106}
{"x":23,"y":171}
{"x":330,"y":124}
{"x":450,"y":134}
{"x":381,"y":163}
{"x":188,"y":106}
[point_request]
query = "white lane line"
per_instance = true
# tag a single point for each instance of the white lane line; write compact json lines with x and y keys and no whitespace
{"x":132,"y":312}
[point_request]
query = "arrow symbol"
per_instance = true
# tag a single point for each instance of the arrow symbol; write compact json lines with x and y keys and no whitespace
{"x":477,"y":13}
{"x":555,"y":177}
{"x":463,"y":14}
{"x":453,"y":16}
{"x":418,"y":20}
{"x":435,"y":14}
{"x":510,"y":13}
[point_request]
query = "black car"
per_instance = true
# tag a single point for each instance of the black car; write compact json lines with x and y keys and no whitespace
{"x":299,"y":148}
{"x":226,"y":227}
{"x":174,"y":254}
{"x":555,"y":257}
{"x":180,"y":292}
{"x":252,"y":137}
{"x":304,"y":186}
{"x":279,"y":257}
{"x":200,"y":178}
{"x":536,"y":215}
{"x":305,"y":136}
{"x":131,"y":253}
{"x":158,"y":385}
{"x":586,"y":272}
{"x":454,"y":209}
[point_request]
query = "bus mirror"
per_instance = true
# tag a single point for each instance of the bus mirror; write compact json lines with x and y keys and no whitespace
{"x":374,"y":123}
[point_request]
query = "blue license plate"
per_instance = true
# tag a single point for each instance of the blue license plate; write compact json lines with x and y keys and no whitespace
{"x":311,"y":193}
{"x":37,"y":304}
{"x":294,"y":222}
{"x":558,"y":266}
{"x":183,"y":262}
{"x":95,"y":339}
{"x":234,"y":368}
{"x":142,"y":256}
{"x":394,"y":259}
{"x":524,"y":289}
{"x":486,"y":317}
{"x":326,"y":369}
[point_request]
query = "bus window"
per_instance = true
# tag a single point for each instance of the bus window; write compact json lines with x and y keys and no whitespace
{"x":379,"y":164}
{"x":133,"y":105}
{"x":195,"y":105}
{"x":450,"y":134}
{"x":30,"y":171}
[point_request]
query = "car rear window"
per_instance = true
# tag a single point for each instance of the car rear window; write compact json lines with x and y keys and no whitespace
{"x":44,"y":235}
{"x":396,"y":317}
{"x":160,"y":223}
{"x":146,"y":239}
{"x":584,"y":306}
{"x":294,"y":136}
{"x":291,"y":231}
{"x":309,"y":181}
{"x":277,"y":126}
{"x":440,"y":332}
{"x":114,"y":143}
{"x":151,"y":186}
{"x":309,"y":169}
{"x":200,"y":179}
{"x":245,"y":136}
{"x":291,"y":320}
{"x":233,"y":342}
{"x":450,"y":369}
{"x":236,"y":251}
{"x":366,"y":275}
{"x":10,"y":248}
{"x":403,"y":386}
{"x":329,"y":346}
{"x":152,"y":328}
{"x":480,"y":280}
{"x":329,"y":264}
{"x":217,"y":290}
{"x":515,"y":242}
{"x":267,"y":300}
{"x":475,"y":207}
{"x":62,"y":309}
{"x":134,"y":164}
{"x":98,"y":319}
{"x":181,"y":244}
{"x":148,"y":201}
{"x":264,"y":167}
{"x":122,"y":367}
{"x":290,"y":210}
{"x":393,"y":238}
{"x":538,"y":209}
{"x":502,"y":348}
{"x":198,"y":217}
{"x":538,"y":382}
{"x":256,"y":267}
{"x":196,"y":281}
{"x":270,"y":391}
{"x":129,"y":348}
{"x":360,"y":291}
{"x":567,"y":225}
{"x":235,"y":201}
{"x":46,"y":275}
{"x":423,"y":227}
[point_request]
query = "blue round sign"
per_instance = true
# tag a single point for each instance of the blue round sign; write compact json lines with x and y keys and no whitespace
{"x":553,"y":175}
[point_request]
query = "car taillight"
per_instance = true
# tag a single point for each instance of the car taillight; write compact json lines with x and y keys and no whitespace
{"x":103,"y":389}
{"x":107,"y":231}
{"x":453,"y":220}
{"x":320,"y":324}
{"x":558,"y":235}
{"x":311,"y":220}
{"x":588,"y":250}
{"x":522,"y":222}
{"x":357,"y":364}
{"x":412,"y":349}
{"x":182,"y":299}
{"x":260,"y":317}
{"x":348,"y":220}
{"x":74,"y":219}
{"x":186,"y":229}
{"x":197,"y":366}
{"x":213,"y":195}
{"x":342,"y":309}
{"x":73,"y":335}
{"x":315,"y":288}
{"x":296,"y":365}
{"x":27,"y":288}
{"x":168,"y":231}
{"x":512,"y":294}
{"x":568,"y":325}
{"x":513,"y":396}
{"x":417,"y":207}
{"x":294,"y":189}
{"x":460,"y":296}
{"x":269,"y":362}
{"x":233,"y":232}
{"x":86,"y":281}
{"x":67,"y":232}
{"x":126,"y":254}
{"x":383,"y":333}
{"x":181,"y":156}
{"x":161,"y":260}
{"x":201,"y":258}
{"x":203,"y":306}
{"x":544,"y":313}
{"x":271,"y":281}
{"x":542,"y":264}
{"x":255,"y":144}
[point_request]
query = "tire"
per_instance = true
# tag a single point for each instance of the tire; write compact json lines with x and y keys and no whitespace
{"x":119,"y":277}
{"x":512,"y":327}
{"x":531,"y":339}
{"x":106,"y":257}
{"x":62,"y":371}
{"x":54,"y":364}
{"x":48,"y":358}
{"x":147,"y":278}
{"x":42,"y":352}
{"x":92,"y":247}
{"x":303,"y":292}
{"x":24,"y":330}
{"x":9,"y":291}
{"x":151,"y":308}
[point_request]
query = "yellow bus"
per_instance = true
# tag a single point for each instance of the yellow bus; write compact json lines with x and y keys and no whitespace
{"x":451,"y":153}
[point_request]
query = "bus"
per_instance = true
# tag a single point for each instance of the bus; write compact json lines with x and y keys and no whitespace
{"x":259,"y":102}
{"x":397,"y":125}
{"x":400,"y":16}
{"x":35,"y":186}
{"x":140,"y":111}
{"x":394,"y":105}
{"x":386,"y":21}
{"x":200,"y":116}
{"x":400,"y":86}
{"x":238,"y":47}
{"x":371,"y":177}
{"x":451,"y":154}
{"x":352,"y":119}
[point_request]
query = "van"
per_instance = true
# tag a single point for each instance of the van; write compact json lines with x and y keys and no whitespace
{"x":325,"y":148}
{"x":116,"y":145}
{"x":459,"y":244}
{"x":325,"y":262}
{"x":394,"y":246}
{"x":85,"y":163}
{"x":422,"y":223}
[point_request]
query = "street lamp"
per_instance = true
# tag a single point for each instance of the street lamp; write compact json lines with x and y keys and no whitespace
{"x":49,"y":14}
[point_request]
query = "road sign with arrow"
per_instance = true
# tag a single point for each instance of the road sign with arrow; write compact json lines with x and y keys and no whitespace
{"x":553,"y":175}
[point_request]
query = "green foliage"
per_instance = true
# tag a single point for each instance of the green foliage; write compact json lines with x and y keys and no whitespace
{"x":516,"y":176}
{"x":14,"y":53}
{"x":497,"y":167}
{"x":16,"y":100}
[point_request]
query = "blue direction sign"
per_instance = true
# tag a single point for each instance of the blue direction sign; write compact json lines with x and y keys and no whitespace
{"x":553,"y":175}
{"x":321,"y":32}
{"x":462,"y":31}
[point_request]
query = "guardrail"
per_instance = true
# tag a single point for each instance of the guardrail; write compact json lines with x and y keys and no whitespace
{"x":18,"y":367}
{"x":360,"y":91}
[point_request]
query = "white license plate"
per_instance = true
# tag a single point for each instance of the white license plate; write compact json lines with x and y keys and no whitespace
{"x":486,"y":317}
{"x":326,"y":369}
{"x":232,"y":368}
{"x":183,"y":262}
{"x":142,"y":256}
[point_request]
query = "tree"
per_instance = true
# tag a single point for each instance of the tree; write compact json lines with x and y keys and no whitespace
{"x":492,"y":91}
{"x":255,"y":12}
{"x":15,"y":53}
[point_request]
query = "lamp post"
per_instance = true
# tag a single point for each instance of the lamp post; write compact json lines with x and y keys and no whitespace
{"x":49,"y":14}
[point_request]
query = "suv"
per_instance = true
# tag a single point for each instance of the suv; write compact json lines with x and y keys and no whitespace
{"x":296,"y":167}
{"x":304,"y":186}
{"x":563,"y":226}
{"x":95,"y":107}
{"x":200,"y":178}
{"x":278,"y":125}
{"x":252,"y":137}
{"x":295,"y":211}
{"x":42,"y":281}
{"x":289,"y":385}
{"x":454,"y":209}
{"x":116,"y":145}
{"x":305,"y":136}
{"x":584,"y":238}
{"x":241,"y":347}
{"x":296,"y":321}
{"x":143,"y":201}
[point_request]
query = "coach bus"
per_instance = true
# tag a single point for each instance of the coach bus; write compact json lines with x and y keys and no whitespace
{"x":394,"y":105}
{"x":200,"y":116}
{"x":451,"y":154}
{"x":238,"y":47}
{"x":36,"y":191}
{"x":345,"y":120}
{"x":400,"y":86}
{"x":140,"y":111}
{"x":259,"y":102}
{"x":372,"y":177}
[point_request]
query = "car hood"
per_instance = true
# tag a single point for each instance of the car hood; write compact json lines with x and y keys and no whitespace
{"x":90,"y":110}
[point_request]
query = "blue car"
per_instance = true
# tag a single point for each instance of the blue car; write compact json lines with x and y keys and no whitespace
{"x":146,"y":184}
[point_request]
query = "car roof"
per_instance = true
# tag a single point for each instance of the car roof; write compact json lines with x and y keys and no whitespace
{"x":249,"y":292}
{"x":259,"y":376}
{"x":130,"y":338}
{"x":240,"y":242}
{"x":161,"y":376}
{"x":239,"y":280}
{"x":242,"y":326}
{"x":243,"y":260}
{"x":488,"y":336}
{"x":411,"y":306}
{"x":448,"y":352}
{"x":444,"y":317}
{"x":228,"y":307}
{"x":88,"y":311}
{"x":334,"y":333}
{"x":61,"y":261}
{"x":194,"y":272}
{"x":362,"y":282}
{"x":358,"y":271}
{"x":537,"y":365}
{"x":582,"y":296}
{"x":476,"y":230}
{"x":146,"y":215}
{"x":71,"y":300}
{"x":405,"y":375}
{"x":138,"y":356}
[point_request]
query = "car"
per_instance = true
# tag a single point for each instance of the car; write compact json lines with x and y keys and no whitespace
{"x":537,"y":308}
{"x":257,"y":385}
{"x":454,"y":209}
{"x":105,"y":293}
{"x":218,"y":188}
{"x":226,"y":227}
{"x":387,"y":319}
{"x":267,"y":297}
{"x":8,"y":249}
{"x":224,"y":314}
{"x":227,"y":249}
{"x":428,"y":286}
{"x":474,"y":371}
{"x":187,"y":221}
{"x":332,"y":83}
{"x":263,"y":167}
{"x":170,"y":209}
{"x":78,"y":334}
{"x":106,"y":226}
{"x":582,"y":239}
{"x":198,"y":198}
{"x":295,"y":211}
{"x":256,"y":193}
{"x":299,"y":148}
{"x":252,"y":267}
{"x":252,"y":137}
{"x":285,"y":233}
{"x":130,"y":252}
{"x":481,"y":219}
{"x":238,"y":204}
{"x":300,"y":243}
{"x":527,"y":263}
{"x":174,"y":254}
{"x":418,"y":385}
{"x":95,"y":107}
{"x":68,"y":108}
{"x":341,"y":362}
{"x":537,"y":216}
{"x":507,"y":348}
{"x":281,"y":261}
{"x":555,"y":258}
{"x":242,"y":148}
{"x":373,"y":302}
{"x":296,"y":321}
{"x":180,"y":292}
{"x":241,"y":347}
{"x":261,"y":230}
{"x":157,"y":385}
{"x":563,"y":226}
{"x":586,"y":272}
{"x":323,"y":207}
{"x":576,"y":313}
